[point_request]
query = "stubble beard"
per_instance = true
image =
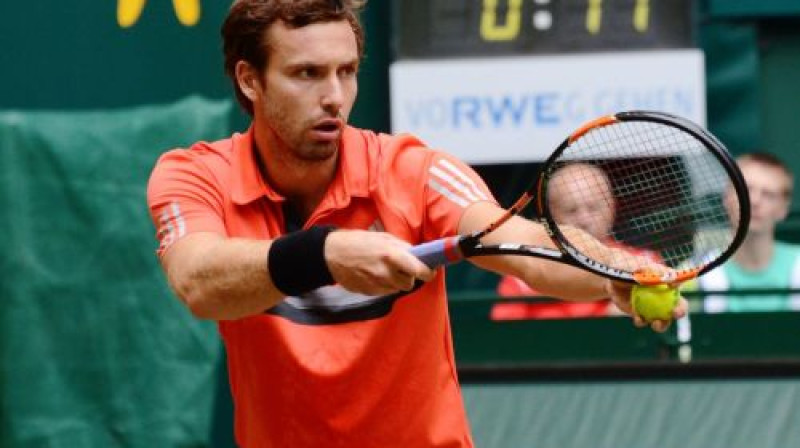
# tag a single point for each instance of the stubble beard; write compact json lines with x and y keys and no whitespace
{"x":312,"y":152}
{"x":301,"y":148}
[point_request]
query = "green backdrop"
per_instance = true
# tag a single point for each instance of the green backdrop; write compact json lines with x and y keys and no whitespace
{"x":94,"y":349}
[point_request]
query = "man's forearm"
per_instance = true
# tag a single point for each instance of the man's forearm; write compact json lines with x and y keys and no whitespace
{"x":564,"y":281}
{"x":222,"y":279}
{"x":548,"y":277}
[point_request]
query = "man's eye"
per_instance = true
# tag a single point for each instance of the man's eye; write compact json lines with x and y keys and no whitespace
{"x":348,"y":71}
{"x":308,"y":73}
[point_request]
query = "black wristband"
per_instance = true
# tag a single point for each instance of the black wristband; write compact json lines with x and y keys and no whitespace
{"x":296,"y":261}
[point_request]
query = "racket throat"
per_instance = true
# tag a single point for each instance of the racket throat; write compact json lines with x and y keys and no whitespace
{"x":467,"y":245}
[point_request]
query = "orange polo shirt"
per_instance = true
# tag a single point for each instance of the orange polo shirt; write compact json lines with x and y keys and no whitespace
{"x":333,"y":368}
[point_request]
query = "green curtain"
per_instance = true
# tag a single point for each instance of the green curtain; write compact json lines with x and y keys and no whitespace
{"x":94,"y":349}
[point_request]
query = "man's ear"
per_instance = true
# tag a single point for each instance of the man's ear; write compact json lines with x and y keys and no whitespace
{"x":248,"y":80}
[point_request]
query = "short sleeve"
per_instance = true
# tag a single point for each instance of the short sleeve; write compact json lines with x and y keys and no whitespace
{"x":451,"y":187}
{"x":183,"y":197}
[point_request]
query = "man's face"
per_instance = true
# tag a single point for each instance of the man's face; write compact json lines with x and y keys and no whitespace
{"x":309,"y":87}
{"x":580,"y":195}
{"x":769,"y":201}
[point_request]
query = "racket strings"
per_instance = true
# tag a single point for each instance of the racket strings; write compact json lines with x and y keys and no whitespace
{"x":689,"y":205}
{"x":663,"y":196}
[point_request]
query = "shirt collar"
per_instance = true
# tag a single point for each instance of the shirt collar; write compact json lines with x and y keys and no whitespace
{"x":351,"y":180}
{"x":247,"y":185}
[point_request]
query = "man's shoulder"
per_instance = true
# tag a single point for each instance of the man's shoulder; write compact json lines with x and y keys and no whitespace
{"x":201,"y":163}
{"x":202,"y":152}
{"x":384,"y":143}
{"x":787,"y":245}
{"x":396,"y":153}
{"x":786,"y":249}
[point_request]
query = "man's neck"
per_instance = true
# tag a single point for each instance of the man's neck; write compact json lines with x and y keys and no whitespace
{"x":756,"y":251}
{"x":302,"y":182}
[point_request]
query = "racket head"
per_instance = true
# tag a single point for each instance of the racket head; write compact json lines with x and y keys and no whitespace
{"x":658,"y":186}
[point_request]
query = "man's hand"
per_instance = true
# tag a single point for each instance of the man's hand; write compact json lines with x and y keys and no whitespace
{"x":620,"y":294}
{"x":373,"y":263}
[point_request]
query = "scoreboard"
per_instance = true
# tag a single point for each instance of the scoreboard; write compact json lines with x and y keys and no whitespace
{"x":463,"y":28}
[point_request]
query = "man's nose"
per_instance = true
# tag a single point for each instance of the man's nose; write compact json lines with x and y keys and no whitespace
{"x":333,"y":94}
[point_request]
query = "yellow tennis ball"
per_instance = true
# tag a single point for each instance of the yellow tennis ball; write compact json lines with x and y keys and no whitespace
{"x":654,"y":302}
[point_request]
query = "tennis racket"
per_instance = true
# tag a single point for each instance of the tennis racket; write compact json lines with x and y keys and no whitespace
{"x":673,"y":190}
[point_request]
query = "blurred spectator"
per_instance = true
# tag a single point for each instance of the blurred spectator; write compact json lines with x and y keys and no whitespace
{"x":590,"y":212}
{"x":761,"y":262}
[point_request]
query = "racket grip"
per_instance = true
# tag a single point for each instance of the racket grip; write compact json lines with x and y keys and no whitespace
{"x":439,"y":252}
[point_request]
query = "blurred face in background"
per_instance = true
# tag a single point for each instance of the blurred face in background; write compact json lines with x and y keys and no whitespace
{"x":770,"y":195}
{"x":580,"y":195}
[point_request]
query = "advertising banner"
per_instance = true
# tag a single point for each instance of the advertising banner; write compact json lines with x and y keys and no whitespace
{"x":516,"y":109}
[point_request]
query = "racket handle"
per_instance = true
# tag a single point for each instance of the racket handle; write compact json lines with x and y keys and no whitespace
{"x":439,"y":252}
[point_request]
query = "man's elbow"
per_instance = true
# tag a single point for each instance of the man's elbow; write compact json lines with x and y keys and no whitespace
{"x":200,"y":308}
{"x":197,"y":298}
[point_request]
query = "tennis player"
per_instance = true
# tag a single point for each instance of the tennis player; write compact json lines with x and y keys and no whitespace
{"x":294,"y":236}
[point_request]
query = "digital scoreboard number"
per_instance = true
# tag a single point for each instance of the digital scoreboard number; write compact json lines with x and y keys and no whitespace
{"x":427,"y":29}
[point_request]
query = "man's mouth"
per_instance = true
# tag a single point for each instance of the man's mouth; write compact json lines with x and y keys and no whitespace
{"x":328,"y":129}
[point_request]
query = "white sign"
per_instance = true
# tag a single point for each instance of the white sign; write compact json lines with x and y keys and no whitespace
{"x":493,"y":110}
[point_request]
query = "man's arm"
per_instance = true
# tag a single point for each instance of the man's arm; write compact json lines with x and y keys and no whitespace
{"x":220,"y":278}
{"x":548,"y":277}
{"x":228,"y":278}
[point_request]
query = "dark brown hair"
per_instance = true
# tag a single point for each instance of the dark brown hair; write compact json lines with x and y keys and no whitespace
{"x":244,"y":35}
